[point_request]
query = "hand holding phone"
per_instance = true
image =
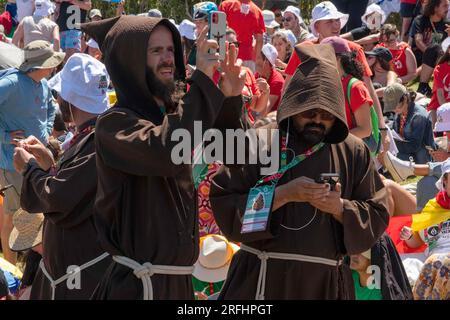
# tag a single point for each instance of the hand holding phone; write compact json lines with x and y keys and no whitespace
{"x":331,"y":178}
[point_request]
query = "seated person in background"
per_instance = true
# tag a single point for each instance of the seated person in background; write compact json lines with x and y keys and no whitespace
{"x":378,"y":273}
{"x":359,"y":263}
{"x":411,"y":123}
{"x":265,"y":67}
{"x":432,"y":227}
{"x":428,"y":32}
{"x":432,"y":171}
{"x":284,"y":48}
{"x":373,"y":19}
{"x":441,"y":84}
{"x":404,"y":62}
{"x":27,"y":237}
{"x":358,"y":108}
{"x":379,"y":61}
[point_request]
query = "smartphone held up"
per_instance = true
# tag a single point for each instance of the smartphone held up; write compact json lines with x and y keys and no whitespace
{"x":217,"y":31}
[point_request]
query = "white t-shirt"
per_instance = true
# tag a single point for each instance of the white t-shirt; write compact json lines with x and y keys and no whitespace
{"x":25,"y":8}
{"x":437,"y":238}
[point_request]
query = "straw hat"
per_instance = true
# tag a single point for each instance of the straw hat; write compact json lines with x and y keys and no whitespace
{"x":214,"y":258}
{"x":27,"y":232}
{"x":39,"y":54}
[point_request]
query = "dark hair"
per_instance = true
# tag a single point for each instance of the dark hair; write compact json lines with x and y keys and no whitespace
{"x":351,"y":65}
{"x":428,"y":10}
{"x":411,"y":96}
{"x":58,"y":124}
{"x":388,"y":29}
{"x":445,"y":58}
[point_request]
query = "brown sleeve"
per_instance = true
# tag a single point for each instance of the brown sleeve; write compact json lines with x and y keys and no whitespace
{"x":62,"y":197}
{"x":139,"y":147}
{"x":366,"y":216}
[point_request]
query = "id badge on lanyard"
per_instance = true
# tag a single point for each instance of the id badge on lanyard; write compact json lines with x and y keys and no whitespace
{"x":260,"y":197}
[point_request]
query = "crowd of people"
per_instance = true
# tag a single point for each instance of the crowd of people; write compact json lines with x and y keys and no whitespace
{"x":93,"y":204}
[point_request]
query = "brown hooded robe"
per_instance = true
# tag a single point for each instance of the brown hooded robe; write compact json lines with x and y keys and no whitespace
{"x":316,"y":84}
{"x":69,"y":237}
{"x":146,"y":205}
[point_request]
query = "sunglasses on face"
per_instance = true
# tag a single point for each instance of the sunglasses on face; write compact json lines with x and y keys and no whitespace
{"x":289,"y":19}
{"x":311,"y":114}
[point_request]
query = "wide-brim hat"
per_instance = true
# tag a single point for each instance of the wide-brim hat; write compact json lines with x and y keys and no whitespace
{"x":327,"y":11}
{"x":83,"y":82}
{"x":27,"y":231}
{"x":371,"y":9}
{"x":39,"y":54}
{"x":214,"y":259}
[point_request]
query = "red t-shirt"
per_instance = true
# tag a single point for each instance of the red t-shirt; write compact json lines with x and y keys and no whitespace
{"x":359,"y":95}
{"x":250,"y":91}
{"x":276,"y":82}
{"x":441,"y":81}
{"x":245,"y":25}
{"x":408,"y":1}
{"x":398,"y":62}
{"x":6,"y":22}
{"x":294,"y":62}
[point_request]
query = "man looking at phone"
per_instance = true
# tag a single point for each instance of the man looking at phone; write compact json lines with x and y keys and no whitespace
{"x":309,"y":227}
{"x":247,"y":20}
{"x":146,"y":208}
{"x":26,"y":108}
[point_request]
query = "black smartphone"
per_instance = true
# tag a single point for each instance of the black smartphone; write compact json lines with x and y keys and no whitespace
{"x":330,"y":178}
{"x":6,"y":188}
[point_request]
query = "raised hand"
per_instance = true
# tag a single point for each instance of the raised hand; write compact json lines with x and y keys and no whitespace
{"x":232,"y":78}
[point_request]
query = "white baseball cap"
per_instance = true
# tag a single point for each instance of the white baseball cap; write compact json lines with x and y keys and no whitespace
{"x":269,"y":19}
{"x":326,"y":11}
{"x":92,"y":43}
{"x":290,"y":36}
{"x":295,"y":11}
{"x":187,"y":29}
{"x":95,"y":13}
{"x":43,"y":8}
{"x":83,"y":82}
{"x":446,"y":44}
{"x":155,"y":13}
{"x":271,"y":53}
{"x":443,"y":118}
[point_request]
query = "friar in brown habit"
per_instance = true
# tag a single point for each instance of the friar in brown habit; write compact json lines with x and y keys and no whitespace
{"x":146,"y":203}
{"x":310,"y":228}
{"x":72,"y":261}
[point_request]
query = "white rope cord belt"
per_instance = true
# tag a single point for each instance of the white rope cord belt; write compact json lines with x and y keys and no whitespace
{"x":264,"y":256}
{"x":54,"y":283}
{"x":147,"y":270}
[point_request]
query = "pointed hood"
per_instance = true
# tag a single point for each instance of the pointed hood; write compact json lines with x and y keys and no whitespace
{"x":316,"y":84}
{"x":123,"y":42}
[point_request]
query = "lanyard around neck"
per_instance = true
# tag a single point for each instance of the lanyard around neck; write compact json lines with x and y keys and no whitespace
{"x":274,"y":178}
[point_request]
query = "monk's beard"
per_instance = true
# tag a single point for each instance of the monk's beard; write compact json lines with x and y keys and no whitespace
{"x":170,"y":93}
{"x":312,"y":133}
